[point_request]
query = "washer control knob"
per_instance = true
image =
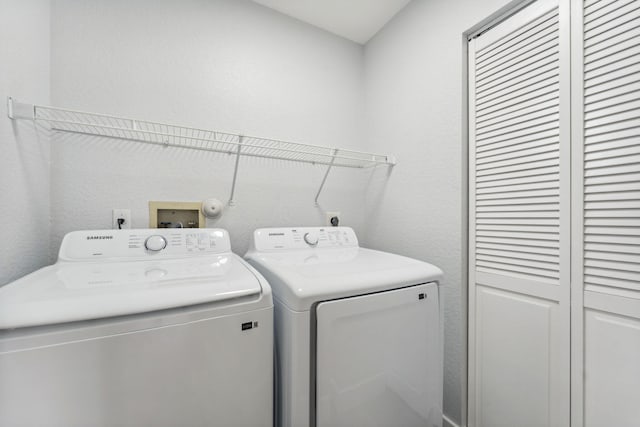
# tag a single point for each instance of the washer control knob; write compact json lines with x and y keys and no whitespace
{"x":311,"y":238}
{"x":155,"y":243}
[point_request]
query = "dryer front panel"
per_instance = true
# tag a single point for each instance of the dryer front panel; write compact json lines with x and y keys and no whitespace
{"x":378,"y":359}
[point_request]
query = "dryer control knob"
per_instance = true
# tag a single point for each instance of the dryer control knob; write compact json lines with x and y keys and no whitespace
{"x":311,"y":238}
{"x":155,"y":243}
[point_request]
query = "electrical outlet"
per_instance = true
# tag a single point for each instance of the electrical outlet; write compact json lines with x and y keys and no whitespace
{"x":124,"y":215}
{"x":332,"y":218}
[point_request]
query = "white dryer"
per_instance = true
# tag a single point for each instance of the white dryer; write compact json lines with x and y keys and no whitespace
{"x":358,"y":331}
{"x":138,"y":328}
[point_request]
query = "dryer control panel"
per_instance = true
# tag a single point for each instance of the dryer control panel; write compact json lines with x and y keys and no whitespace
{"x":273,"y":239}
{"x":143,"y":243}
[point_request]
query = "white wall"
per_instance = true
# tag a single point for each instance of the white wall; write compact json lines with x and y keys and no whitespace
{"x":231,"y":64}
{"x":222,"y":64}
{"x":24,"y":153}
{"x":413,"y":87}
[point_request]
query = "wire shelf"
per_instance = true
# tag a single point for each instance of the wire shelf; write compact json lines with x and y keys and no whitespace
{"x":169,"y":135}
{"x":60,"y":119}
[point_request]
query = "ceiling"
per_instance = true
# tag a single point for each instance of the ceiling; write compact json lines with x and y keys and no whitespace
{"x":356,"y":20}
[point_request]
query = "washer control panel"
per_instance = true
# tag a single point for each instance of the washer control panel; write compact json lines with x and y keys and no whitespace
{"x":271,"y":239}
{"x":144,"y":243}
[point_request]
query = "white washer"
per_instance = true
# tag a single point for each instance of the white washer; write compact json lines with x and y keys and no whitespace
{"x":358,"y":331}
{"x":138,"y":328}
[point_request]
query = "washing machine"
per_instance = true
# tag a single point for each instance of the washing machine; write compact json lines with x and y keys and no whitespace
{"x":138,"y":328}
{"x":358,"y":331}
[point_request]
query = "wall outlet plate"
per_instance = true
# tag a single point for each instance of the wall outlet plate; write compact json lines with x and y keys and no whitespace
{"x":120,"y":214}
{"x":332,"y":218}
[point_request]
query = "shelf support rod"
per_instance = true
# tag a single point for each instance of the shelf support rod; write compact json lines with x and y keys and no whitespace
{"x":326,"y":174}
{"x":235,"y":170}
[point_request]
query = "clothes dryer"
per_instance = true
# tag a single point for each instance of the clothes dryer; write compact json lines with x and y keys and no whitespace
{"x":358,"y":331}
{"x":161,"y":327}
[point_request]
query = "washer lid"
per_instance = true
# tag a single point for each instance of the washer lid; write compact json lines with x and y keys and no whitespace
{"x":300,"y":278}
{"x":75,"y":291}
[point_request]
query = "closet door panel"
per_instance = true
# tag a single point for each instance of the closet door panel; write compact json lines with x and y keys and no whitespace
{"x":612,"y":146}
{"x":606,"y":371}
{"x":517,"y":157}
{"x":518,"y":337}
{"x":612,"y":347}
{"x":519,"y":221}
{"x":611,"y":141}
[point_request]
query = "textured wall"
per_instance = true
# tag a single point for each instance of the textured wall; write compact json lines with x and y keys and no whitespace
{"x":221,"y":64}
{"x":24,"y":156}
{"x":234,"y":65}
{"x":413,"y":81}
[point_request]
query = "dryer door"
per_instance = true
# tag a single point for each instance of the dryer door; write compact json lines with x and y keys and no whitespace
{"x":378,"y":359}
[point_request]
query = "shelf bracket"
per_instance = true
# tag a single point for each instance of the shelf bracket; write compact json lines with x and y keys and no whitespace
{"x":18,"y":110}
{"x":10,"y":107}
{"x":326,"y":174}
{"x":235,"y":171}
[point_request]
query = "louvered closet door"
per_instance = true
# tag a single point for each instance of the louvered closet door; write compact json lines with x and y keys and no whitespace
{"x":519,"y":221}
{"x":610,"y":208}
